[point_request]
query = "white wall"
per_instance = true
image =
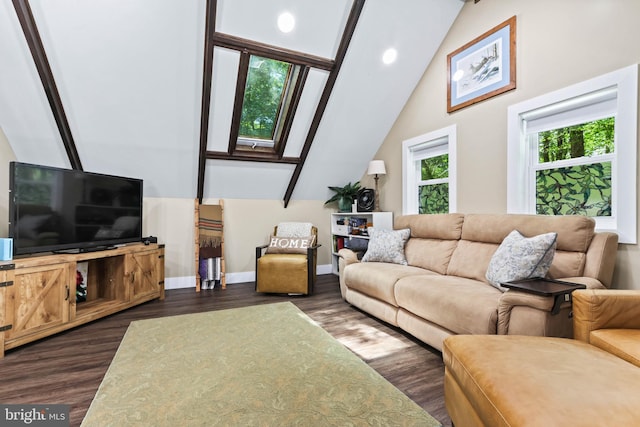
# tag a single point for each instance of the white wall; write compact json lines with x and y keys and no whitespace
{"x":6,"y":156}
{"x":247,"y":224}
{"x":559,"y":43}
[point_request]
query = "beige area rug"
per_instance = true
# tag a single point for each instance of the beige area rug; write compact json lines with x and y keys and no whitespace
{"x":266,"y":365}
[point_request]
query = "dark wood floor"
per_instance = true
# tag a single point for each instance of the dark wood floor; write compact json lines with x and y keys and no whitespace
{"x":67,"y":368}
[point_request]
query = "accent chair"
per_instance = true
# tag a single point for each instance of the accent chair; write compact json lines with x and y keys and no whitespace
{"x":287,"y":264}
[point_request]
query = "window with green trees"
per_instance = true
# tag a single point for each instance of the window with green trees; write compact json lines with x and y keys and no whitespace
{"x":433,"y":188}
{"x":267,"y":96}
{"x":429,"y":172}
{"x":573,"y":174}
{"x":574,"y":151}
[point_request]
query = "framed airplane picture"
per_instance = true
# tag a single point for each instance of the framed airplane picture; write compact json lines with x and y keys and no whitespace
{"x":482,"y":68}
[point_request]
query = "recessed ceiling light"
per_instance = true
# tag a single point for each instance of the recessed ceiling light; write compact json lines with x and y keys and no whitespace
{"x":286,"y":22}
{"x":389,"y":56}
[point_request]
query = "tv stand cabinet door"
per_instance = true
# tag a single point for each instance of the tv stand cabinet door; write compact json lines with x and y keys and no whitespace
{"x":141,"y":273}
{"x":6,"y":303}
{"x":41,"y":297}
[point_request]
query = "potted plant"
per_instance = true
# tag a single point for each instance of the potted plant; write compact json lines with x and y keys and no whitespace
{"x":344,"y":196}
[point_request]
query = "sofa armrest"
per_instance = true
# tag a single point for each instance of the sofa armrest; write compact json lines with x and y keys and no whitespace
{"x":604,"y":309}
{"x":589,"y":282}
{"x":514,"y":298}
{"x":511,"y":299}
{"x":346,"y":257}
{"x":601,"y":257}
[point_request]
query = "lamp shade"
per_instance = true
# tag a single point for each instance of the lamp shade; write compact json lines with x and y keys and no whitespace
{"x":376,"y":167}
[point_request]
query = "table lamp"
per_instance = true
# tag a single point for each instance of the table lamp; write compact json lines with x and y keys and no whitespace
{"x":376,"y":167}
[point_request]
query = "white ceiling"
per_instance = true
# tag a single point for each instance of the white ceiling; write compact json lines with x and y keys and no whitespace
{"x":129,"y":73}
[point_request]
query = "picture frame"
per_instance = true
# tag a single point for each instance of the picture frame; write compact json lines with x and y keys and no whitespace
{"x":483,"y":68}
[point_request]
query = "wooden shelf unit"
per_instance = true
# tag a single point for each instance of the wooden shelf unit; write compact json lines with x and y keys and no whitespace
{"x":38,"y":293}
{"x":343,"y":232}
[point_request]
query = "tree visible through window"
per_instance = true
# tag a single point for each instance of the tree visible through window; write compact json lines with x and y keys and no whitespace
{"x":573,"y":176}
{"x":433,"y":189}
{"x":429,"y":172}
{"x":264,"y":96}
{"x":574,"y":151}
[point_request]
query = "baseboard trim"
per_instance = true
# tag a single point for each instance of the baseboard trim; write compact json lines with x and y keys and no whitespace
{"x":324,"y":269}
{"x":242,"y":277}
{"x":180,"y":282}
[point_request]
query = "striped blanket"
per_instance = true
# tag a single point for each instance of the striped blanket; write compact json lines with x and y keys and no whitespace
{"x":210,"y":226}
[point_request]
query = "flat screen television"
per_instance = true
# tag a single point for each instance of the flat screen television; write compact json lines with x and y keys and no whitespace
{"x":63,"y":210}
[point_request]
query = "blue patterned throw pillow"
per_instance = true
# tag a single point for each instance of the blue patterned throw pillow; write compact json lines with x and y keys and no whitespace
{"x":387,"y":246}
{"x":520,"y":257}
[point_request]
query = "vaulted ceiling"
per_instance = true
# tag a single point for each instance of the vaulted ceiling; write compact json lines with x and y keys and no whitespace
{"x":130,"y":77}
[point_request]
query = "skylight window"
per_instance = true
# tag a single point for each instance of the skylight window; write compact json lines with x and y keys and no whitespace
{"x":268,"y":92}
{"x":263,"y":94}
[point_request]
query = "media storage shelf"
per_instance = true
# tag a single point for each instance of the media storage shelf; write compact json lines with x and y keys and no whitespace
{"x":350,"y":230}
{"x":38,"y":293}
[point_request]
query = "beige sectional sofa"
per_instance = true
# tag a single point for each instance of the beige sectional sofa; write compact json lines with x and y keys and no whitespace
{"x":443,"y":290}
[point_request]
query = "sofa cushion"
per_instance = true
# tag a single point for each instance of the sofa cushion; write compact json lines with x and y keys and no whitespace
{"x":431,"y":254}
{"x":574,"y":231}
{"x":432,"y":226}
{"x":518,"y":380}
{"x":624,"y":343}
{"x":462,"y":306}
{"x":377,"y":279}
{"x":567,"y":264}
{"x":519,"y":257}
{"x":470,"y":260}
{"x":386,"y":246}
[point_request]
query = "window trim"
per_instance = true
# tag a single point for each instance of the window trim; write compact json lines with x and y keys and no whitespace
{"x":413,"y":150}
{"x":625,"y":84}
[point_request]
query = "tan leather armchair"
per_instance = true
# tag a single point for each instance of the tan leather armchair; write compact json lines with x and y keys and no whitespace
{"x":610,"y":320}
{"x":287,"y":273}
{"x":510,"y":380}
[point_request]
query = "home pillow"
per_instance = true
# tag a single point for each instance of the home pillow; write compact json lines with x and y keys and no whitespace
{"x":386,"y":246}
{"x":520,"y":257}
{"x":290,"y":245}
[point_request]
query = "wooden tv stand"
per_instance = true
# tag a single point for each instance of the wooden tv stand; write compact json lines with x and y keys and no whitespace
{"x":38,"y":293}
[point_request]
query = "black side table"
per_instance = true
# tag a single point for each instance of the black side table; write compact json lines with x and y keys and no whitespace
{"x":559,"y":290}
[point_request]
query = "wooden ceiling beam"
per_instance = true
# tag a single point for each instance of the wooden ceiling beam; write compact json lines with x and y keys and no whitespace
{"x":210,"y":29}
{"x":30,"y":30}
{"x":273,"y":52}
{"x":243,"y":72}
{"x":252,"y":157}
{"x":291,"y":111}
{"x":350,"y":27}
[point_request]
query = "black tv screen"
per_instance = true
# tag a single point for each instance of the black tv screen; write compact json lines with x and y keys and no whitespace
{"x":55,"y":209}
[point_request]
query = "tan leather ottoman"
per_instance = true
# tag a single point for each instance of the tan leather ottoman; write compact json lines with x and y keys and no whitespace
{"x":537,"y":381}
